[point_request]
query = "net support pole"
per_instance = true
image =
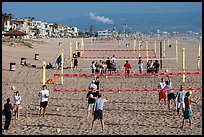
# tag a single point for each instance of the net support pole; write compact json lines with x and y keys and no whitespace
{"x":139,"y":48}
{"x":199,"y":50}
{"x":70,"y":55}
{"x":44,"y":73}
{"x":147,"y":50}
{"x":62,"y":67}
{"x":81,"y":48}
{"x":168,"y":42}
{"x":119,"y":42}
{"x":183,"y":64}
{"x":134,"y":48}
{"x":176,"y":51}
{"x":164,"y":49}
{"x":161,"y":55}
{"x":155,"y":45}
{"x":82,"y":44}
{"x":76,"y":49}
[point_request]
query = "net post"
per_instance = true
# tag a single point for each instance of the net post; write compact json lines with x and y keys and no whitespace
{"x":161,"y":57}
{"x":70,"y":55}
{"x":164,"y":48}
{"x":62,"y":68}
{"x":176,"y":51}
{"x":155,"y":45}
{"x":134,"y":48}
{"x":76,"y":49}
{"x":147,"y":50}
{"x":81,"y":47}
{"x":44,"y":73}
{"x":183,"y":64}
{"x":199,"y":56}
{"x":139,"y":48}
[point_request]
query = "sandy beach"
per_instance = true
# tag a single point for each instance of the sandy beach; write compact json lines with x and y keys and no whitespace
{"x":126,"y":113}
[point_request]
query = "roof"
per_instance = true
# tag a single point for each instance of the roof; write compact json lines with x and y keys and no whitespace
{"x":15,"y":33}
{"x":11,"y":22}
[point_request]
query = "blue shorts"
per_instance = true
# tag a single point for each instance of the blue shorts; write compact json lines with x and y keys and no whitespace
{"x":188,"y":114}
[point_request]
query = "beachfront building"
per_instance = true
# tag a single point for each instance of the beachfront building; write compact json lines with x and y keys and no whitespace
{"x":8,"y":25}
{"x":104,"y":34}
{"x":39,"y":29}
{"x":27,"y":26}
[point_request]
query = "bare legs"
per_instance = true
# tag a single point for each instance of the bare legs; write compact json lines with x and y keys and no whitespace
{"x":102,"y":124}
{"x":88,"y":114}
{"x":17,"y":112}
{"x":42,"y":111}
{"x":184,"y":123}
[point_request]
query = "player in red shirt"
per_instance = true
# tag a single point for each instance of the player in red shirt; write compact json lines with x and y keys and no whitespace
{"x":127,"y":68}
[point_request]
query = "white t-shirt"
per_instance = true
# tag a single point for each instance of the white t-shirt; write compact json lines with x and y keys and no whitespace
{"x":92,"y":85}
{"x":140,"y":65}
{"x":43,"y":97}
{"x":151,"y":65}
{"x":17,"y":100}
{"x":162,"y":85}
{"x":168,"y":88}
{"x":180,"y":96}
{"x":113,"y":59}
{"x":93,"y":66}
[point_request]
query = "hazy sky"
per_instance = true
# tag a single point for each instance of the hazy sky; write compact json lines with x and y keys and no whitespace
{"x":63,"y":10}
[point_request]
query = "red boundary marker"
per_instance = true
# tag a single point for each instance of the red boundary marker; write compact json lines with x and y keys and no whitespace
{"x":117,"y":57}
{"x":131,"y":74}
{"x":114,"y":50}
{"x":122,"y":90}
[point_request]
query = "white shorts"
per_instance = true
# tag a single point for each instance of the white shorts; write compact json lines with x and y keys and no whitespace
{"x":90,"y":107}
{"x":181,"y":105}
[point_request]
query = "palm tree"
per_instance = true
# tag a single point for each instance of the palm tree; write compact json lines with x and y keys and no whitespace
{"x":6,"y":16}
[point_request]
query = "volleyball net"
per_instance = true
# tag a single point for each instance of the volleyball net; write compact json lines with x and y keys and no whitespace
{"x":120,"y":82}
{"x":142,"y":53}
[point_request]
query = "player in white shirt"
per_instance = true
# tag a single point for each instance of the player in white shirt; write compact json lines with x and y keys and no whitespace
{"x":44,"y":94}
{"x":17,"y":102}
{"x":180,"y":99}
{"x":162,"y":92}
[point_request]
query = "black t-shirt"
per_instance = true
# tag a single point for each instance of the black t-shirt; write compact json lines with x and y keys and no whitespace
{"x":7,"y":108}
{"x":108,"y":63}
{"x":92,"y":100}
{"x":97,"y":84}
{"x":75,"y":61}
{"x":156,"y":65}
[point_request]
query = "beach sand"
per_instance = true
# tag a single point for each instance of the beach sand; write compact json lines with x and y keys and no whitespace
{"x":126,"y":113}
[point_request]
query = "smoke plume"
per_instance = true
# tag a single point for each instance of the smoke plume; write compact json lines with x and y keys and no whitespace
{"x":100,"y":18}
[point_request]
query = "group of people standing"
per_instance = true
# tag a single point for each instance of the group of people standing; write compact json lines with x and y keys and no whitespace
{"x":104,"y":67}
{"x":9,"y":108}
{"x":95,"y":102}
{"x":152,"y":67}
{"x":181,"y":100}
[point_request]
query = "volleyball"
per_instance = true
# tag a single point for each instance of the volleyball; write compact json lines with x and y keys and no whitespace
{"x":37,"y":107}
{"x":58,"y":130}
{"x":166,"y":70}
{"x":46,"y":95}
{"x":13,"y":87}
{"x":91,"y":95}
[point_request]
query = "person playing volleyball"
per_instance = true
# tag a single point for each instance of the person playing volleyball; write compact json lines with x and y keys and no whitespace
{"x":162,"y":92}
